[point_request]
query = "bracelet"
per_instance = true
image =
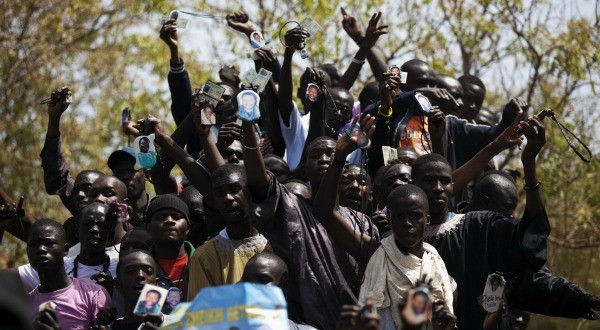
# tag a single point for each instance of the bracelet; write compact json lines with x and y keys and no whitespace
{"x":535,"y":187}
{"x":357,"y":61}
{"x":250,"y":148}
{"x":389,"y":113}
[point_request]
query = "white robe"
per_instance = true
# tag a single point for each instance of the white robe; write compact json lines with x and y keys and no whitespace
{"x":390,"y":275}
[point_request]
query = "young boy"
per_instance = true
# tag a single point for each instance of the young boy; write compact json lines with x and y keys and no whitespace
{"x":400,"y":260}
{"x":135,"y":269}
{"x":77,"y":302}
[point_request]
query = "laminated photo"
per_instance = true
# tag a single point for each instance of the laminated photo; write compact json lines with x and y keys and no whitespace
{"x":151,"y":300}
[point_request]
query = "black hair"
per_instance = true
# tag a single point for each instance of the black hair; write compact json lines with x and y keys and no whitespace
{"x":501,"y":173}
{"x":407,"y":190}
{"x":271,"y":257}
{"x":189,"y":194}
{"x":86,"y":172}
{"x":362,"y":171}
{"x":127,"y":253}
{"x":47,"y":222}
{"x":417,"y":166}
{"x":154,"y":291}
{"x":369,"y":94}
{"x":412,"y":62}
{"x":227,"y":170}
{"x":319,"y":139}
{"x":470,"y":79}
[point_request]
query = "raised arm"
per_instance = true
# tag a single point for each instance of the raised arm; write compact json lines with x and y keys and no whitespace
{"x":269,"y":98}
{"x":285,"y":94}
{"x":354,"y":30}
{"x":316,"y":125}
{"x":464,"y":174}
{"x":359,"y":245}
{"x":536,"y":138}
{"x":256,"y":173}
{"x":16,"y":226}
{"x":372,"y":35}
{"x":57,"y":179}
{"x":192,"y":170}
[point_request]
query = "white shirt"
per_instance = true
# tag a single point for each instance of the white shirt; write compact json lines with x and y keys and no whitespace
{"x":31,"y":280}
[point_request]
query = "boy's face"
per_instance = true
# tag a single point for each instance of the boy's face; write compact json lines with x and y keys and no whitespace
{"x":354,"y":188}
{"x":45,"y":249}
{"x":168,"y":226}
{"x":93,"y":229}
{"x":151,"y":298}
{"x":137,"y":270}
{"x":408,"y":216}
{"x":229,"y":197}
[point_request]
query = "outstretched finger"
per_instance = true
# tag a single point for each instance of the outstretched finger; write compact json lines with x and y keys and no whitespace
{"x":344,"y":14}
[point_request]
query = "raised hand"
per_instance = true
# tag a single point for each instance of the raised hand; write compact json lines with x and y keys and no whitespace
{"x":295,"y":38}
{"x":442,"y":319}
{"x":509,"y":138}
{"x":351,"y":26}
{"x":57,"y":103}
{"x":388,"y":88}
{"x":441,"y":97}
{"x":346,"y":144}
{"x":239,"y":21}
{"x":267,"y":57}
{"x":512,"y":108}
{"x":373,"y":32}
{"x":536,"y":137}
{"x":437,"y":123}
{"x":348,"y":317}
{"x":227,"y":134}
{"x":168,"y":33}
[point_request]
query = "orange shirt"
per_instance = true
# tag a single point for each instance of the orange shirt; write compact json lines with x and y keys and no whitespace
{"x":174,"y":268}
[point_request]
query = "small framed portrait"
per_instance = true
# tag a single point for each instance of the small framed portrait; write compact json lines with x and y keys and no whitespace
{"x":145,"y":152}
{"x":151,"y":300}
{"x":312,"y":92}
{"x":173,"y":298}
{"x":47,"y":305}
{"x":418,"y":306}
{"x":355,"y":133}
{"x":493,"y":292}
{"x":257,"y":40}
{"x":394,"y":69}
{"x":248,"y":102}
{"x":423,"y":102}
{"x":208,"y":116}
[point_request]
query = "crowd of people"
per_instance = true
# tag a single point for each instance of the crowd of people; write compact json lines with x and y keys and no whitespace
{"x":356,"y":205}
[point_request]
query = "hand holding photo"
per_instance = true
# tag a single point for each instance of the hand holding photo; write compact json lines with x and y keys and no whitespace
{"x":151,"y":300}
{"x":50,"y":305}
{"x":418,"y":306}
{"x":312,"y":92}
{"x":145,"y":152}
{"x":356,"y":134}
{"x":208,"y":116}
{"x":257,"y":40}
{"x":123,"y":212}
{"x":423,"y":102}
{"x":248,"y":102}
{"x":493,"y":292}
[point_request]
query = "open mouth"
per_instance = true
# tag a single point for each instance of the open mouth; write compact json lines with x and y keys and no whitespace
{"x":139,"y":287}
{"x":354,"y":198}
